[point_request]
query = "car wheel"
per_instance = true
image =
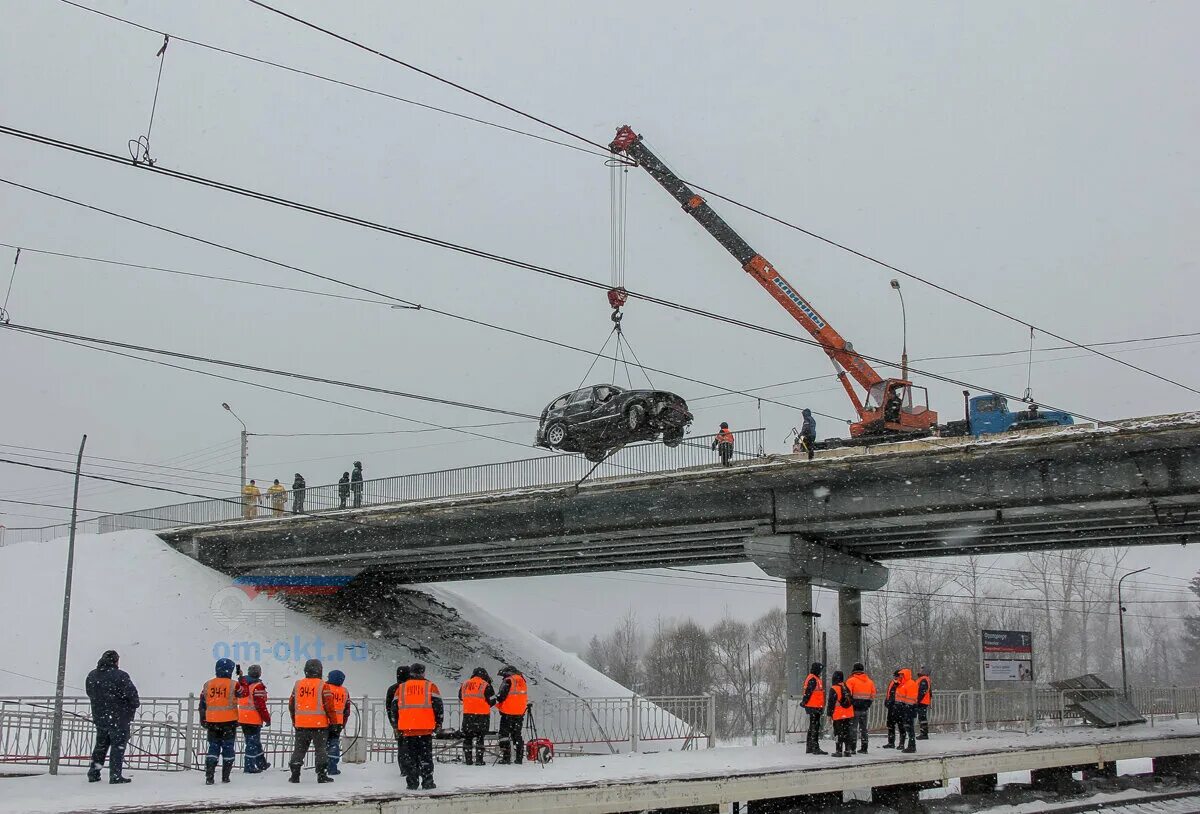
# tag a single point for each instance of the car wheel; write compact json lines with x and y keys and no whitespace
{"x":556,"y":434}
{"x":635,"y":415}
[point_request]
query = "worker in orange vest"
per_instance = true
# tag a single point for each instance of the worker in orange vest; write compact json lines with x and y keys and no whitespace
{"x":841,"y":709}
{"x":862,"y":694}
{"x":219,"y":712}
{"x":311,"y":706}
{"x":512,"y":700}
{"x":723,"y":443}
{"x":906,"y":710}
{"x":418,"y":715}
{"x":924,"y":699}
{"x":253,"y":715}
{"x":889,"y":703}
{"x":813,"y":701}
{"x":478,"y":697}
{"x":337,"y":718}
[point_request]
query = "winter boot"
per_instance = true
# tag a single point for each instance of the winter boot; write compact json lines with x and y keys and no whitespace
{"x":323,"y":775}
{"x":94,"y":774}
{"x":862,"y":750}
{"x":262,"y":763}
{"x":119,"y":779}
{"x":817,"y":750}
{"x":467,"y":759}
{"x":226,"y":770}
{"x":479,"y":757}
{"x":426,"y":785}
{"x":890,"y":745}
{"x":295,"y":767}
{"x":519,"y":757}
{"x":910,"y":749}
{"x":210,"y":769}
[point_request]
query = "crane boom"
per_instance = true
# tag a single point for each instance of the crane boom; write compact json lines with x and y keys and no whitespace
{"x":902,"y":417}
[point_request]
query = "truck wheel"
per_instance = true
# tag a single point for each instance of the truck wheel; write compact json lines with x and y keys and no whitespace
{"x":556,"y":434}
{"x":635,"y":415}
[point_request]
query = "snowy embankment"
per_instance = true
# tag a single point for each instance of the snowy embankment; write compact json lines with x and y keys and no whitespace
{"x":170,"y":617}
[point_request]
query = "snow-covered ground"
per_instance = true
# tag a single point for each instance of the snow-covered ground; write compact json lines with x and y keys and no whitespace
{"x":71,"y":792}
{"x":170,"y":617}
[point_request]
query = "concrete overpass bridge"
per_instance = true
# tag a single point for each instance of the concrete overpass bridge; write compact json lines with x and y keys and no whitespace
{"x":833,"y":522}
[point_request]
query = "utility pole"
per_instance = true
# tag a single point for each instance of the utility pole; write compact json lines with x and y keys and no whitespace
{"x":245,"y":443}
{"x":1121,"y":626}
{"x":60,"y":685}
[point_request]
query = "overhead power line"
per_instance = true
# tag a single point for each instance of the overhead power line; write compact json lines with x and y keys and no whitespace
{"x":457,"y":248}
{"x":728,"y":199}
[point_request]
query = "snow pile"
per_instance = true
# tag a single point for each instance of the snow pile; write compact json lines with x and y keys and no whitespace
{"x":169,"y":617}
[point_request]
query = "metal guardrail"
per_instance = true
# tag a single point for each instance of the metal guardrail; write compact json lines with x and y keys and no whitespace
{"x":547,"y":470}
{"x":967,"y":710}
{"x":167,"y":735}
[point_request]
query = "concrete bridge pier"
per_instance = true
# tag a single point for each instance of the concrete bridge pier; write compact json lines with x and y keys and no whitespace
{"x":803,"y":564}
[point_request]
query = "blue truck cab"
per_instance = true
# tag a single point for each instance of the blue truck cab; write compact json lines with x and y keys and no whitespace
{"x":989,"y":413}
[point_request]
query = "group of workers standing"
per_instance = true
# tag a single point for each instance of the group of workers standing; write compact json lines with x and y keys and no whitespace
{"x":350,"y":484}
{"x":848,"y":703}
{"x":804,"y":443}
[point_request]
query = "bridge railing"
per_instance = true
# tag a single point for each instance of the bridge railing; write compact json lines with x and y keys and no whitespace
{"x":167,"y":735}
{"x":546,"y":470}
{"x":967,"y":710}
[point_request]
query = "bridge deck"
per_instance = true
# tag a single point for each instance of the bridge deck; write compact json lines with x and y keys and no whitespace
{"x":1138,"y":483}
{"x":628,"y":782}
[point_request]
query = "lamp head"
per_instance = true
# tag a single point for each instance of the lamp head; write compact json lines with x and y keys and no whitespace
{"x":226,"y":406}
{"x":896,"y":284}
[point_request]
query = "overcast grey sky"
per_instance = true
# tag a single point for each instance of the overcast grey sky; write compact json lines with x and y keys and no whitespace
{"x":1038,"y":156}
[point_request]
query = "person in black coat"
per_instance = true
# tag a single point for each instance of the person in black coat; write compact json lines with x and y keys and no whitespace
{"x":393,"y":712}
{"x":356,"y":484}
{"x":808,"y":432}
{"x":343,"y":489}
{"x":114,"y":700}
{"x":298,"y":487}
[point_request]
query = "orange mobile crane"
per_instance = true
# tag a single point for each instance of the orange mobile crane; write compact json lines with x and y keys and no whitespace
{"x":891,"y":407}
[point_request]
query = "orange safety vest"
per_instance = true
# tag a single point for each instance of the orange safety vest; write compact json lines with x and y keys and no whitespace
{"x":841,"y":713}
{"x":309,"y":695}
{"x":906,"y":693}
{"x":248,"y":713}
{"x":414,"y":703}
{"x":220,"y":701}
{"x":817,"y":699}
{"x":928,"y":699}
{"x":474,"y":698}
{"x":862,"y":688}
{"x":339,"y":696}
{"x":517,"y":699}
{"x":725,"y":437}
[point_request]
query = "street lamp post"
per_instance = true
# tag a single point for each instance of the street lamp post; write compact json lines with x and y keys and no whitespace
{"x":904,"y":335}
{"x":1121,"y":627}
{"x":60,"y":684}
{"x":245,"y":442}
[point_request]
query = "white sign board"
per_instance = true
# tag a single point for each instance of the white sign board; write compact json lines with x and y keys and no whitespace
{"x":1007,"y":670}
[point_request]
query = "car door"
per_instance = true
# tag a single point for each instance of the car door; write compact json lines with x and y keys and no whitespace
{"x":578,"y":411}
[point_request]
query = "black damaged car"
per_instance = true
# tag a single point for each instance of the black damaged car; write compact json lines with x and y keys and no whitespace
{"x":601,"y":418}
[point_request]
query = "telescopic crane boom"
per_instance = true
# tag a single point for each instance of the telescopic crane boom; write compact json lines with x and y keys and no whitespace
{"x":889,"y":406}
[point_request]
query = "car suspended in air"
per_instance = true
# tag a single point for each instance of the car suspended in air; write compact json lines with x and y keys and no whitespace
{"x":600,"y":419}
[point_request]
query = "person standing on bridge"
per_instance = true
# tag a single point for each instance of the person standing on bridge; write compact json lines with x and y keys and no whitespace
{"x":840,"y":709}
{"x":337,"y":718}
{"x":924,"y":699}
{"x":311,"y":706}
{"x":813,"y":701}
{"x":906,"y":710}
{"x":723,"y":443}
{"x":343,"y":490}
{"x":512,"y":700}
{"x":253,"y":715}
{"x":251,"y":497}
{"x":298,"y":487}
{"x":356,"y":484}
{"x":418,"y":715}
{"x":278,"y":495}
{"x":219,"y":712}
{"x":862,"y":694}
{"x":390,"y":704}
{"x":808,"y":432}
{"x":114,"y":701}
{"x":889,"y":703}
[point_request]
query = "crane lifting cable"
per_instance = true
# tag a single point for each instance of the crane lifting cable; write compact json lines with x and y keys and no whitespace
{"x":618,"y":197}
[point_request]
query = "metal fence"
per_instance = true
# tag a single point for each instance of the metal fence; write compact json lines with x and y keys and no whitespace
{"x":547,"y":470}
{"x":167,"y":735}
{"x":967,"y":710}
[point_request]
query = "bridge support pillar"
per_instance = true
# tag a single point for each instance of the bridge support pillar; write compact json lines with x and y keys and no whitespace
{"x":799,"y":612}
{"x":850,"y":627}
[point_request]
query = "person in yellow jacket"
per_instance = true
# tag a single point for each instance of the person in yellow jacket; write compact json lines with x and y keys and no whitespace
{"x":251,"y":497}
{"x":278,"y":496}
